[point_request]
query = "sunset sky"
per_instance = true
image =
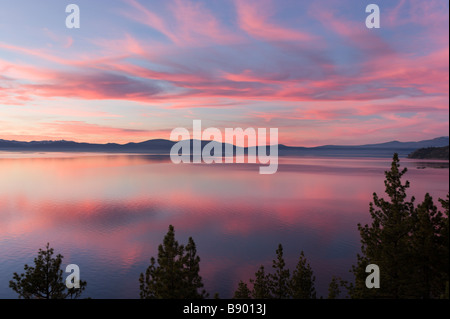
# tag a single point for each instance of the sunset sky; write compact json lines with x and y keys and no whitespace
{"x":135,"y":70}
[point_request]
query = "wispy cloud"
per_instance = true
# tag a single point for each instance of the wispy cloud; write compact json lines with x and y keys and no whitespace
{"x":311,"y":68}
{"x":254,"y":17}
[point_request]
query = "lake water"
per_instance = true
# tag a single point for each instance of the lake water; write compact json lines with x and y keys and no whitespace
{"x":109,"y":213}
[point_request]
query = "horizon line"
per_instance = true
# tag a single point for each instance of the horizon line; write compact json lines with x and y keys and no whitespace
{"x":168,"y":140}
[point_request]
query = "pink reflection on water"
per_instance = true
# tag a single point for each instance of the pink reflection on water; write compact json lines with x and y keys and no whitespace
{"x":115,"y":210}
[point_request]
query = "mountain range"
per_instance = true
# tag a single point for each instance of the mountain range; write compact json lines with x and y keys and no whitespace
{"x":161,"y":146}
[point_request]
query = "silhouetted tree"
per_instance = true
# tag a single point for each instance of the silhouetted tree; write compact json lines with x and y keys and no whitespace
{"x":147,"y":282}
{"x":409,"y":245}
{"x":279,"y":284}
{"x":428,"y":250}
{"x":175,"y":273}
{"x":242,"y":291}
{"x":45,"y":279}
{"x":194,"y":283}
{"x":302,"y":281}
{"x":261,"y":285}
{"x":444,"y":239}
{"x":386,"y":241}
{"x":334,"y":288}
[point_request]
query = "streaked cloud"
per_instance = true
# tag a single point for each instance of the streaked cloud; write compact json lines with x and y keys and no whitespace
{"x":311,"y":68}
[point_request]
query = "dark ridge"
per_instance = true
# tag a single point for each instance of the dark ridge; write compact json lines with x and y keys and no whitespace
{"x":431,"y":153}
{"x":161,"y":146}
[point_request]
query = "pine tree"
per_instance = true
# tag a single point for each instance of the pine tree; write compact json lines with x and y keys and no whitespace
{"x":192,"y":268}
{"x":280,"y":279}
{"x":261,"y":285}
{"x":147,"y":282}
{"x":242,"y":291}
{"x":175,"y":273}
{"x":428,"y":250}
{"x":386,"y":241}
{"x":334,"y":288}
{"x":169,"y":283}
{"x":444,"y":241}
{"x":302,"y":281}
{"x":45,"y":279}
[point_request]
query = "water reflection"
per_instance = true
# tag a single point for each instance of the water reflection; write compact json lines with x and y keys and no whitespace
{"x":108,"y":214}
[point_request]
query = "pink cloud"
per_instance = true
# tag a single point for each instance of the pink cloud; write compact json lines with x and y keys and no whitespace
{"x":354,"y":32}
{"x":94,"y":86}
{"x":149,"y":18}
{"x":147,"y":73}
{"x":126,"y":46}
{"x":86,"y":132}
{"x":254,"y":19}
{"x":192,"y":24}
{"x":196,"y":25}
{"x":63,"y":41}
{"x":94,"y":82}
{"x":293,"y":79}
{"x":69,"y":112}
{"x":204,"y":103}
{"x":426,"y":13}
{"x":39,"y":53}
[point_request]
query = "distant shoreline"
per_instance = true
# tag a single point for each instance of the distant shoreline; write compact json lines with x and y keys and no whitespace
{"x":439,"y":153}
{"x":162,"y":147}
{"x":17,"y":154}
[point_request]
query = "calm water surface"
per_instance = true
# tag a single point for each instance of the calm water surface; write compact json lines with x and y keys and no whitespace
{"x":109,"y":213}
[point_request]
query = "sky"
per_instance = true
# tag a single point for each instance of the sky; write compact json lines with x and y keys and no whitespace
{"x":135,"y":70}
